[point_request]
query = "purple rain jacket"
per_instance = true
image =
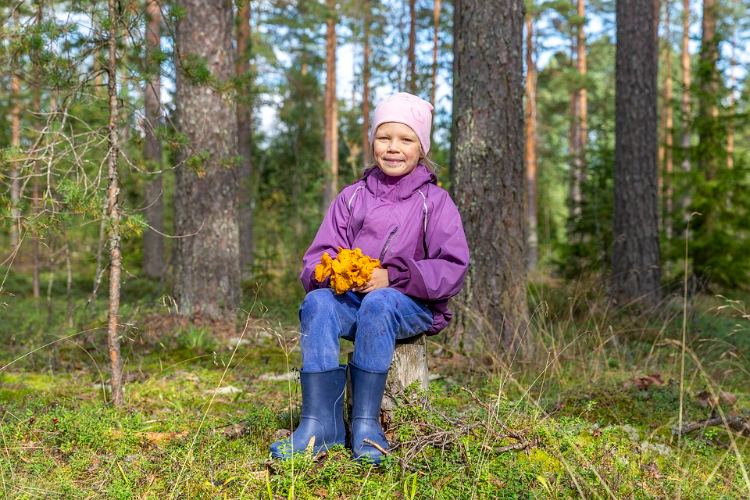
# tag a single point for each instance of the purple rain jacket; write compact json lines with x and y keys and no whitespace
{"x":407,"y":222}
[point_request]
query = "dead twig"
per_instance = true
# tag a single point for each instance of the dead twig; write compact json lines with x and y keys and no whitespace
{"x":737,"y":424}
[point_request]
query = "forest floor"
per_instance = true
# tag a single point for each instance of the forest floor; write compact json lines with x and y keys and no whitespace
{"x":591,"y":415}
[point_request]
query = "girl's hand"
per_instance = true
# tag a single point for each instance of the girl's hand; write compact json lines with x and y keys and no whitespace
{"x":379,"y":279}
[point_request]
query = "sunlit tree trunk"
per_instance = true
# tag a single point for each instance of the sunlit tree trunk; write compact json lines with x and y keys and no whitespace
{"x":153,"y":242}
{"x":435,"y":46}
{"x":411,"y":83}
{"x":331,"y":135}
{"x":207,"y":253}
{"x":113,"y":212}
{"x":532,"y":238}
{"x":245,"y":136}
{"x":488,"y":176}
{"x":366,"y":84}
{"x":636,"y":265}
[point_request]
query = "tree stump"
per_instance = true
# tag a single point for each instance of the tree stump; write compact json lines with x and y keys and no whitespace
{"x":408,"y":366}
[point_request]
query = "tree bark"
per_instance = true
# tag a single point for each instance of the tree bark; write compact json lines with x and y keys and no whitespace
{"x":207,"y":254}
{"x":153,"y":242}
{"x":411,"y":83}
{"x":245,"y":136}
{"x":115,"y":255}
{"x":636,"y":269}
{"x":331,"y":136}
{"x":366,"y":85}
{"x":532,"y":238}
{"x":488,"y":176}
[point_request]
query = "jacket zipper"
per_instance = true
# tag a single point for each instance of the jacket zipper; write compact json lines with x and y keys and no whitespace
{"x":387,"y":244}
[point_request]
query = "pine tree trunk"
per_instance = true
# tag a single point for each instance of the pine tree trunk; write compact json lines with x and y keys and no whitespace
{"x":532,"y":238}
{"x":488,"y":177}
{"x":153,"y":242}
{"x":366,"y":85}
{"x":435,"y":46}
{"x":207,"y":254}
{"x":245,"y":136}
{"x":115,"y":255}
{"x":331,"y":136}
{"x":636,"y":269}
{"x":411,"y":83}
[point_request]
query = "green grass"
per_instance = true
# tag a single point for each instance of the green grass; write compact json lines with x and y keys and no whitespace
{"x":588,"y":434}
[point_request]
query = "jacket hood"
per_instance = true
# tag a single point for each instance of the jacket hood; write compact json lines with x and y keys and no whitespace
{"x":383,"y":186}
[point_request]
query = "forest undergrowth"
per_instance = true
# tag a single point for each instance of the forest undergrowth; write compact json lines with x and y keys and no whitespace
{"x":594,"y":413}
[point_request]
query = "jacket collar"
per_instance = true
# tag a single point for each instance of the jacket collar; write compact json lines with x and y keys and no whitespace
{"x":397,"y":188}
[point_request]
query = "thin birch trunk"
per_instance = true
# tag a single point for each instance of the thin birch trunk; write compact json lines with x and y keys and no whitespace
{"x":411,"y":84}
{"x":331,"y":138}
{"x":366,"y":85}
{"x":435,"y":44}
{"x":115,"y":256}
{"x":532,"y":238}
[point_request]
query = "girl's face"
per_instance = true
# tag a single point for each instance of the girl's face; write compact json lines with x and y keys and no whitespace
{"x":396,"y":149}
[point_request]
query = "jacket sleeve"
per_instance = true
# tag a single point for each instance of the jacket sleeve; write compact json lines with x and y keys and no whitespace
{"x":331,"y":235}
{"x":441,"y":274}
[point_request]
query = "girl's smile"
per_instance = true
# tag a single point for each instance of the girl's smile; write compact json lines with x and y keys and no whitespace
{"x":396,"y":149}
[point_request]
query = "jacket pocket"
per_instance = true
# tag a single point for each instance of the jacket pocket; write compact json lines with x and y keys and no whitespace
{"x":388,"y":243}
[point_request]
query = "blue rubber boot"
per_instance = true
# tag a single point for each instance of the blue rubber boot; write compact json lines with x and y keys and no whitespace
{"x":367,"y":395}
{"x":322,"y":416}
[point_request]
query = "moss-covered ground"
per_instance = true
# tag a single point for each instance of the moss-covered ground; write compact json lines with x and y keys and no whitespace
{"x":205,"y":400}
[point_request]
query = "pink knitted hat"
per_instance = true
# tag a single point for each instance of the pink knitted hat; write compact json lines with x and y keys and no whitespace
{"x":408,"y":109}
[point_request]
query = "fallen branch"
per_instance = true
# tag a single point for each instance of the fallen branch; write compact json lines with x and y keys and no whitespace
{"x":376,"y":446}
{"x":737,"y":424}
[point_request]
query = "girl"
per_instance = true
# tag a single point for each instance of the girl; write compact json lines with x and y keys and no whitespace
{"x":396,"y":213}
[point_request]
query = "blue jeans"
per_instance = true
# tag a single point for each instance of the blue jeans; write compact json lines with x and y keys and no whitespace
{"x":373,"y":321}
